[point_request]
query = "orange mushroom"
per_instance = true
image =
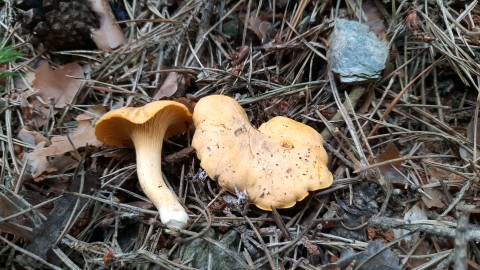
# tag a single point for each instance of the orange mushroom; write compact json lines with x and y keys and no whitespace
{"x":145,"y":128}
{"x":277,"y":164}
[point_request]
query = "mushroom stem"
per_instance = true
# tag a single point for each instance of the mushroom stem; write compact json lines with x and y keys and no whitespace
{"x":148,"y":140}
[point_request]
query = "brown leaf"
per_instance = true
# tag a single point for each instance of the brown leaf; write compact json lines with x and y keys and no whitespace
{"x":109,"y":35}
{"x":32,"y":137}
{"x":390,"y":152}
{"x":94,"y":112}
{"x":375,"y":19}
{"x":253,"y":23}
{"x":169,"y":86}
{"x":57,"y":85}
{"x":421,"y":249}
{"x":435,"y":172}
{"x":391,"y":172}
{"x":83,"y":135}
{"x":39,"y":164}
{"x":141,"y":204}
{"x":435,"y":199}
{"x":264,"y":30}
{"x":34,"y":112}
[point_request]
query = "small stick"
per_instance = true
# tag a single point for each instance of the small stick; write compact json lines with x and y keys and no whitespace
{"x":354,"y":96}
{"x":439,"y":228}
{"x":461,"y":241}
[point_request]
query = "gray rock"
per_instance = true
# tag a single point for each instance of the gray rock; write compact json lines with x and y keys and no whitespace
{"x":355,"y":54}
{"x":197,"y":252}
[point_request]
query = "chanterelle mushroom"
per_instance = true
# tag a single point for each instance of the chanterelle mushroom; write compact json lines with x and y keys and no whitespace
{"x":277,"y":164}
{"x":146,"y":127}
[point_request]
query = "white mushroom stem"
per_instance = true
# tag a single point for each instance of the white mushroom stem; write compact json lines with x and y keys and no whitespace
{"x":148,"y":141}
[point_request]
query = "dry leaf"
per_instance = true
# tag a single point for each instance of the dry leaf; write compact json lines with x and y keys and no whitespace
{"x":39,"y":164}
{"x":94,"y":113}
{"x":263,"y":30}
{"x":83,"y":135}
{"x":33,"y":112}
{"x":390,"y":152}
{"x":169,"y":86}
{"x":391,"y":172}
{"x":435,"y":199}
{"x":420,"y":260}
{"x":56,"y":85}
{"x":435,"y":172}
{"x":375,"y":19}
{"x":31,"y":137}
{"x":415,"y":213}
{"x":109,"y":35}
{"x":253,"y":23}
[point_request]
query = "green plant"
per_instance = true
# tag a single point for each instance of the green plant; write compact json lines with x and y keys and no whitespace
{"x":7,"y":54}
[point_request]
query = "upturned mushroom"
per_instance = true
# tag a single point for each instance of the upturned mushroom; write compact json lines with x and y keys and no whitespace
{"x":277,"y":165}
{"x":145,"y":128}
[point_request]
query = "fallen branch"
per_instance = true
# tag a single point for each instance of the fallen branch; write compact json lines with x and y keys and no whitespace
{"x":435,"y":227}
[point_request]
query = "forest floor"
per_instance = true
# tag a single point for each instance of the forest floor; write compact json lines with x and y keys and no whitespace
{"x":401,"y":148}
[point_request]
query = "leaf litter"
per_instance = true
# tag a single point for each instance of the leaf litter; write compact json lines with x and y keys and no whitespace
{"x":402,"y":149}
{"x":60,"y":86}
{"x":48,"y":156}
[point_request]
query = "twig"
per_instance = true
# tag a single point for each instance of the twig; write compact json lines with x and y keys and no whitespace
{"x":439,"y":228}
{"x":461,"y":241}
{"x":268,"y":254}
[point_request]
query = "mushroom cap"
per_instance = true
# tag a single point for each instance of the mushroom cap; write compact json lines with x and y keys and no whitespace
{"x":277,"y":164}
{"x":114,"y":127}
